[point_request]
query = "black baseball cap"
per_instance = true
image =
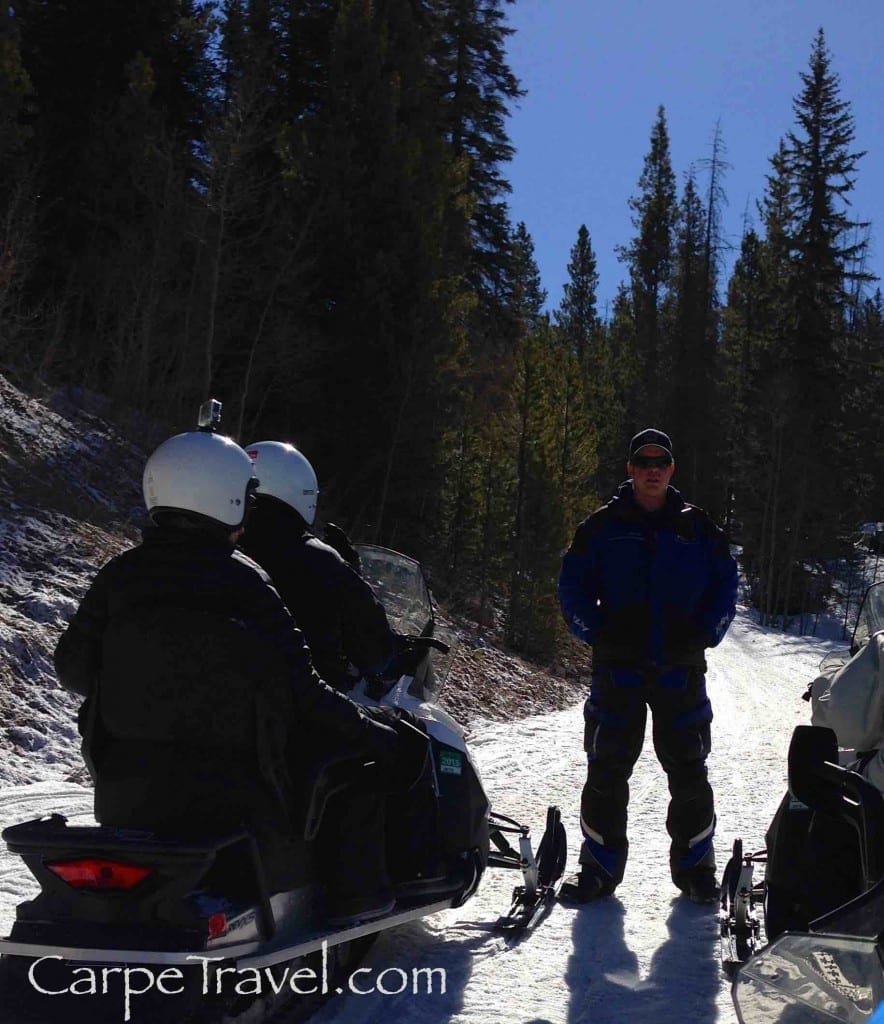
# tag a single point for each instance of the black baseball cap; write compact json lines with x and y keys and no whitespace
{"x":650,"y":436}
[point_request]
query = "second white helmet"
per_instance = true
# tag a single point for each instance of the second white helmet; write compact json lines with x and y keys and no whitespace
{"x":201,"y":473}
{"x":285,"y":474}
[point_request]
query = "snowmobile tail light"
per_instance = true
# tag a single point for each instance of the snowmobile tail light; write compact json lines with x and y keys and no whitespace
{"x":94,"y":873}
{"x":217,"y":926}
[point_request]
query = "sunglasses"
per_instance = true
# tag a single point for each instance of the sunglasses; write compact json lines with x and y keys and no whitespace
{"x":651,"y":461}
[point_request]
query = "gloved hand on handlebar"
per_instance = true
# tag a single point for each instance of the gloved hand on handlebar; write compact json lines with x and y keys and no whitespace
{"x":392,"y":716}
{"x":335,"y":537}
{"x":385,"y":715}
{"x":381,"y":741}
{"x":409,"y":758}
{"x":410,"y":650}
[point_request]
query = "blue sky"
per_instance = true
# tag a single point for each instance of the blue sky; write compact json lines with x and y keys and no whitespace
{"x":595,"y":74}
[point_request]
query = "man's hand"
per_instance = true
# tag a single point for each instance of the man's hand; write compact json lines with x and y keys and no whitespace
{"x":336,"y":538}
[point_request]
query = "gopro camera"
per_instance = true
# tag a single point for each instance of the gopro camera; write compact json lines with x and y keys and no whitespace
{"x":209,"y":418}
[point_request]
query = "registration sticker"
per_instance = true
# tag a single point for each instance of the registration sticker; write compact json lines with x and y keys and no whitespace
{"x":451,"y":762}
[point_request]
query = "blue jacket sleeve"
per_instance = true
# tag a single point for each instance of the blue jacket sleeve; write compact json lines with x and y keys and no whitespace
{"x":720,"y":601}
{"x":578,"y":590}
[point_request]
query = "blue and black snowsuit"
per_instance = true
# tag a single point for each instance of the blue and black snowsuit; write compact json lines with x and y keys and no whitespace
{"x":649,"y":591}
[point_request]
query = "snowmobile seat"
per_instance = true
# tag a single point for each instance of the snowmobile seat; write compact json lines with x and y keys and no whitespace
{"x":818,"y":781}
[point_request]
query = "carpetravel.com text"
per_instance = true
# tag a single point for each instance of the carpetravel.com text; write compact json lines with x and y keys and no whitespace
{"x":219,"y":980}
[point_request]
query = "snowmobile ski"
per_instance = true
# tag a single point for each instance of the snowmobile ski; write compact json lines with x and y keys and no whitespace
{"x":741,"y":898}
{"x":542,"y":874}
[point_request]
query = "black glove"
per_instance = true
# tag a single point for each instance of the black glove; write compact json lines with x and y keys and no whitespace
{"x":411,"y":756}
{"x":391,"y":716}
{"x":381,"y":742}
{"x":384,"y":715}
{"x":336,"y":538}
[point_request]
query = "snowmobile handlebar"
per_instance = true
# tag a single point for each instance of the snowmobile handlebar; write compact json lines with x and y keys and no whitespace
{"x":421,"y":643}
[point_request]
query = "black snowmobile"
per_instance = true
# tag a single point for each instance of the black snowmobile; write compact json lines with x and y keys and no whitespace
{"x":806,"y":942}
{"x":135,"y":925}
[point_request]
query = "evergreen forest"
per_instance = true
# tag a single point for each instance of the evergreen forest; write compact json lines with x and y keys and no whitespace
{"x":300,"y":207}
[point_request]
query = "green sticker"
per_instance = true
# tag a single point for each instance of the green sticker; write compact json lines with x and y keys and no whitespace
{"x":450,"y":762}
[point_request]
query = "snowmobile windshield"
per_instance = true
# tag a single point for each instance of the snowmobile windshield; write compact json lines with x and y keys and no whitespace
{"x":399,"y":584}
{"x":812,"y":979}
{"x":871,"y":616}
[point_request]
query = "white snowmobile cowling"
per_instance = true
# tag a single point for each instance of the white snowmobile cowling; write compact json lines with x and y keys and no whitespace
{"x":850,"y":701}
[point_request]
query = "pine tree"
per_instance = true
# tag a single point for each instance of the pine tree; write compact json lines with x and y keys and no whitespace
{"x":577,"y":316}
{"x":254,"y":222}
{"x":811,"y":265}
{"x":120,"y":97}
{"x":712,"y":482}
{"x":17,"y":189}
{"x":687,"y":414}
{"x":865,"y":411}
{"x":383,"y":295}
{"x":744,"y":325}
{"x":80,"y":61}
{"x":771,"y":392}
{"x":587,"y":381}
{"x":477,"y":88}
{"x":16,"y":91}
{"x":650,"y":260}
{"x":821,"y":166}
{"x":537,"y":530}
{"x":626,"y":416}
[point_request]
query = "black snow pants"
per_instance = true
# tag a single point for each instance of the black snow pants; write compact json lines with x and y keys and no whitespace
{"x":615,"y":716}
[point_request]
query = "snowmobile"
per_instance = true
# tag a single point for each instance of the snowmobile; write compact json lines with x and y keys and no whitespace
{"x":807,"y":941}
{"x":135,"y":925}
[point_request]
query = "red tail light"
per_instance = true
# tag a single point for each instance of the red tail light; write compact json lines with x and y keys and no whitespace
{"x":94,"y":873}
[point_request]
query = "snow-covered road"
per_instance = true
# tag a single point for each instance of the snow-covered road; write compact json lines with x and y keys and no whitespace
{"x":646,"y":955}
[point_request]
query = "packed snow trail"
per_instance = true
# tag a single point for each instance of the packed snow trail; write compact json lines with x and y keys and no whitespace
{"x":645,"y":955}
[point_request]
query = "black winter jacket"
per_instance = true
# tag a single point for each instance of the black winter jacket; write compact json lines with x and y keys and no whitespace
{"x":199,"y":689}
{"x":333,"y":605}
{"x":648,"y":587}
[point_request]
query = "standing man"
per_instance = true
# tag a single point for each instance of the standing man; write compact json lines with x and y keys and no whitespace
{"x":650,"y":583}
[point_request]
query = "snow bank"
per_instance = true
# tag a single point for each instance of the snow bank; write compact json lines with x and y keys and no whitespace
{"x":69,"y":500}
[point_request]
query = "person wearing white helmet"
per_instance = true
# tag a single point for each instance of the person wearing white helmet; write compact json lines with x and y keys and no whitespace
{"x":342,"y":620}
{"x":346,"y":628}
{"x":197,"y":681}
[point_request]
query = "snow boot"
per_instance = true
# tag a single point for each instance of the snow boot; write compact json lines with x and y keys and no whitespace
{"x":699,"y":885}
{"x":585,"y":887}
{"x":693,"y":868}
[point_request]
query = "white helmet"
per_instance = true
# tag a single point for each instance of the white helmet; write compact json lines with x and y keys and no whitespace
{"x":202,"y":473}
{"x":285,"y":474}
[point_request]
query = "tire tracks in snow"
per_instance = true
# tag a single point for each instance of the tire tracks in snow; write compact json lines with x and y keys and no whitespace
{"x":63,"y":795}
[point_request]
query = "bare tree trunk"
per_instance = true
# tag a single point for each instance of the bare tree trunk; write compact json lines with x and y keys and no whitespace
{"x":771,"y":587}
{"x":393,"y":447}
{"x":284,"y":270}
{"x":518,"y":564}
{"x":792,"y":548}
